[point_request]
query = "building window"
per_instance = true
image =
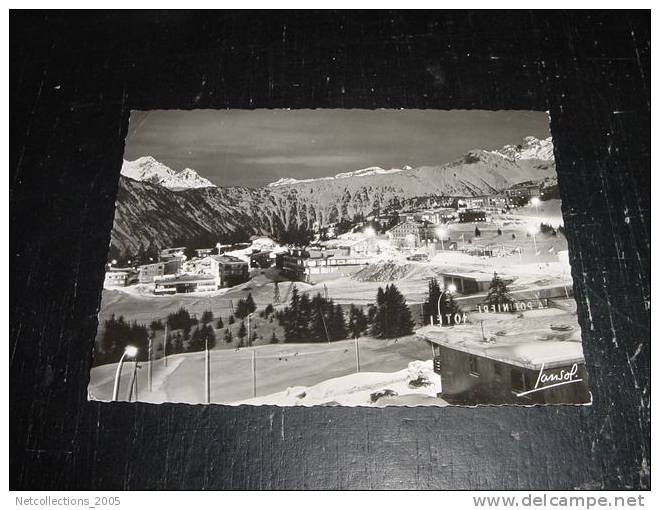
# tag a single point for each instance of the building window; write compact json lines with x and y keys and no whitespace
{"x":474,"y":367}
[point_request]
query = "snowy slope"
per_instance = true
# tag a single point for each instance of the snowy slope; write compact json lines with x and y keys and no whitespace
{"x":364,"y":172}
{"x":531,"y":148}
{"x":357,"y":389}
{"x":147,"y":169}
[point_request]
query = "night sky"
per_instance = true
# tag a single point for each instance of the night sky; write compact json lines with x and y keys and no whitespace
{"x":255,"y":147}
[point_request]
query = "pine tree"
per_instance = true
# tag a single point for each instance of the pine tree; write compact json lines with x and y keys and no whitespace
{"x":219,"y":324}
{"x":430,"y":307}
{"x":498,"y":293}
{"x":242,"y":333}
{"x":477,"y":232}
{"x":276,"y":294}
{"x":231,"y":320}
{"x":337,"y":324}
{"x":273,"y":338}
{"x":207,"y":316}
{"x":318,"y":319}
{"x":228,"y":336}
{"x":357,"y":321}
{"x":249,"y":304}
{"x":392,"y":318}
{"x":448,"y":309}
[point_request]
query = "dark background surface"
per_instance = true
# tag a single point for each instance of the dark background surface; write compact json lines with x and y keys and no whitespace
{"x":73,"y":79}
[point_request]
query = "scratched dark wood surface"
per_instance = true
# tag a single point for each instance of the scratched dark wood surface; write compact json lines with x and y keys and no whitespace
{"x":74,"y":79}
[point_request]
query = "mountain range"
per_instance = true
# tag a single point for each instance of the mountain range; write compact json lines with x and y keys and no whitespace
{"x":158,"y":207}
{"x":147,"y":169}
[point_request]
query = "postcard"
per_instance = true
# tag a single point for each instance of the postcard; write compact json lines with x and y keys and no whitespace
{"x":339,"y":258}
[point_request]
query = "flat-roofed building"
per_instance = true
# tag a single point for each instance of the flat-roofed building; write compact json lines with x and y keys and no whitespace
{"x":169,"y":253}
{"x":315,"y":265}
{"x":148,"y":272}
{"x":116,"y":279}
{"x":181,"y":284}
{"x":511,"y":368}
{"x":412,"y":234}
{"x":229,"y":270}
{"x":469,"y":282}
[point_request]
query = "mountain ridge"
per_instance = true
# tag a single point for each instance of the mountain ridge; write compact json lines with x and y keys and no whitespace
{"x":151,"y":214}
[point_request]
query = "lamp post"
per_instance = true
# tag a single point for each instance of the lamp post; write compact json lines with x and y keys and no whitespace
{"x":129,"y":352}
{"x":451,"y":288}
{"x":249,"y":339}
{"x":207,"y":370}
{"x":532,"y":230}
{"x":442,"y":232}
{"x":535,"y":201}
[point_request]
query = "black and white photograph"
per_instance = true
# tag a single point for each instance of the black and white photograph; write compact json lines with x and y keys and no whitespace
{"x":339,"y":257}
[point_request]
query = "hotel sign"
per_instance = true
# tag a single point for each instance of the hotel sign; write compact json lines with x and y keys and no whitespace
{"x":513,"y":306}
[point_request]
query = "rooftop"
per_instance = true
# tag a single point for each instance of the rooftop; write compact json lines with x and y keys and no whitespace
{"x":227,"y":259}
{"x":185,"y":278}
{"x":549,"y":337}
{"x":476,"y":276}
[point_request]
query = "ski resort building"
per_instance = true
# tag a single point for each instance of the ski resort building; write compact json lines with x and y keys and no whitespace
{"x":182,"y":284}
{"x":116,"y":278}
{"x":472,"y":216}
{"x":524,"y":191}
{"x":468,"y":283}
{"x":523,"y":371}
{"x":149,"y":272}
{"x":411,"y":234}
{"x":314,"y":265}
{"x":228,"y":270}
{"x":170,"y":253}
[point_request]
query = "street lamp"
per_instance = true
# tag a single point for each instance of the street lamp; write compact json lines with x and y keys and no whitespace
{"x":442,"y":233}
{"x":533,"y":230}
{"x":535,"y":201}
{"x":451,"y":288}
{"x":130,"y":352}
{"x":369,"y":232}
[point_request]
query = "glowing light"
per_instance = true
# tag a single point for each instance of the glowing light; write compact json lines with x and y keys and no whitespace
{"x":451,"y":288}
{"x":131,"y":351}
{"x":532,"y":230}
{"x":442,"y":232}
{"x":114,"y":262}
{"x":369,"y":231}
{"x":535,"y":201}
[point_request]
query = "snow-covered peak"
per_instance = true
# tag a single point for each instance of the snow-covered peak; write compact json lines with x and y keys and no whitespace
{"x":187,"y":178}
{"x":148,"y":169}
{"x":364,"y":172}
{"x":531,"y":148}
